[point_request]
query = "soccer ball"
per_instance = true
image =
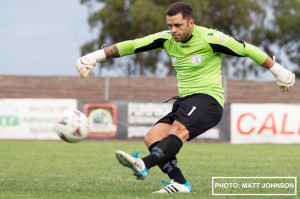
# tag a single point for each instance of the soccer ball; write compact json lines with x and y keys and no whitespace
{"x":73,"y":127}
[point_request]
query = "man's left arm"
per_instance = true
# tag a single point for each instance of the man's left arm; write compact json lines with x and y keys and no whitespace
{"x":285,"y":79}
{"x":222,"y":43}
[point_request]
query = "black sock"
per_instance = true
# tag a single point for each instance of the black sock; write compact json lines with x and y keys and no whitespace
{"x":152,"y":146}
{"x":150,"y":158}
{"x":177,"y":175}
{"x":164,"y":151}
{"x":171,"y":168}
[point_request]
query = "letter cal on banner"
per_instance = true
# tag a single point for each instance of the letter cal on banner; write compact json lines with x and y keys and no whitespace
{"x":265,"y":123}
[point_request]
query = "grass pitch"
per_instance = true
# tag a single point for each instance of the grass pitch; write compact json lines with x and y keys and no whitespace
{"x":50,"y":169}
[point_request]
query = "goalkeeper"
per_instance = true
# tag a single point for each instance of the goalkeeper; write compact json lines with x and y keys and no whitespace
{"x":196,"y":53}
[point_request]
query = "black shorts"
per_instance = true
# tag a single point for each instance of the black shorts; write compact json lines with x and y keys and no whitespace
{"x":197,"y":112}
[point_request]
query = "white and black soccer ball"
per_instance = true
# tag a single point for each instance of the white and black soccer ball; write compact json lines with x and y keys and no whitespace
{"x":72,"y":127}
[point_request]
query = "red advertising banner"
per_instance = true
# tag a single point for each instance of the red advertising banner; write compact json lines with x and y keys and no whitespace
{"x":102,"y":118}
{"x":265,"y":123}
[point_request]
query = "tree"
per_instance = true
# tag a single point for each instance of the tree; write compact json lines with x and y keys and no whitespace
{"x":285,"y":32}
{"x":121,"y":20}
{"x":124,"y":20}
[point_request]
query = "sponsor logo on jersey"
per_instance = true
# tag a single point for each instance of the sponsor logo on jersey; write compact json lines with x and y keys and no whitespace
{"x":174,"y":59}
{"x":184,"y":46}
{"x":222,"y":37}
{"x":196,"y":59}
{"x":160,"y":33}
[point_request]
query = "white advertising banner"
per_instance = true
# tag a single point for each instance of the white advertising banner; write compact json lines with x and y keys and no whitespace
{"x":265,"y":123}
{"x":32,"y":118}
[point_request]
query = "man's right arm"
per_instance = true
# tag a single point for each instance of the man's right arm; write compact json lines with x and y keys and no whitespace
{"x":112,"y":51}
{"x":86,"y":64}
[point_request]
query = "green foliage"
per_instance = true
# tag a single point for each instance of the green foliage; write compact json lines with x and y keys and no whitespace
{"x":287,"y":29}
{"x":120,"y":20}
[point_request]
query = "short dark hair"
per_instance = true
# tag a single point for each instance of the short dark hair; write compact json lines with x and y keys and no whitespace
{"x":180,"y":7}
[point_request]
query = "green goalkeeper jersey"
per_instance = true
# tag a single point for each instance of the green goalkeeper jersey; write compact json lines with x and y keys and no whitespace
{"x":198,"y":60}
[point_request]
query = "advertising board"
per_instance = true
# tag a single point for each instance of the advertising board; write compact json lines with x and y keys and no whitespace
{"x":32,"y":118}
{"x":265,"y":123}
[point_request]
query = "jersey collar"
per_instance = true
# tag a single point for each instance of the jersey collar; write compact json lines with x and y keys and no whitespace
{"x":190,"y":36}
{"x":188,"y":39}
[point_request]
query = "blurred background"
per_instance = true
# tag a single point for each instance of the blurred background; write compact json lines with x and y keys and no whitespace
{"x":42,"y":37}
{"x":46,"y":37}
{"x":41,"y":40}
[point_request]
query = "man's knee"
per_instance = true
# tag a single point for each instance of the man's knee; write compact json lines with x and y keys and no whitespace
{"x":151,"y":137}
{"x":147,"y":139}
{"x":180,"y":131}
{"x":157,"y":133}
{"x":177,"y":126}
